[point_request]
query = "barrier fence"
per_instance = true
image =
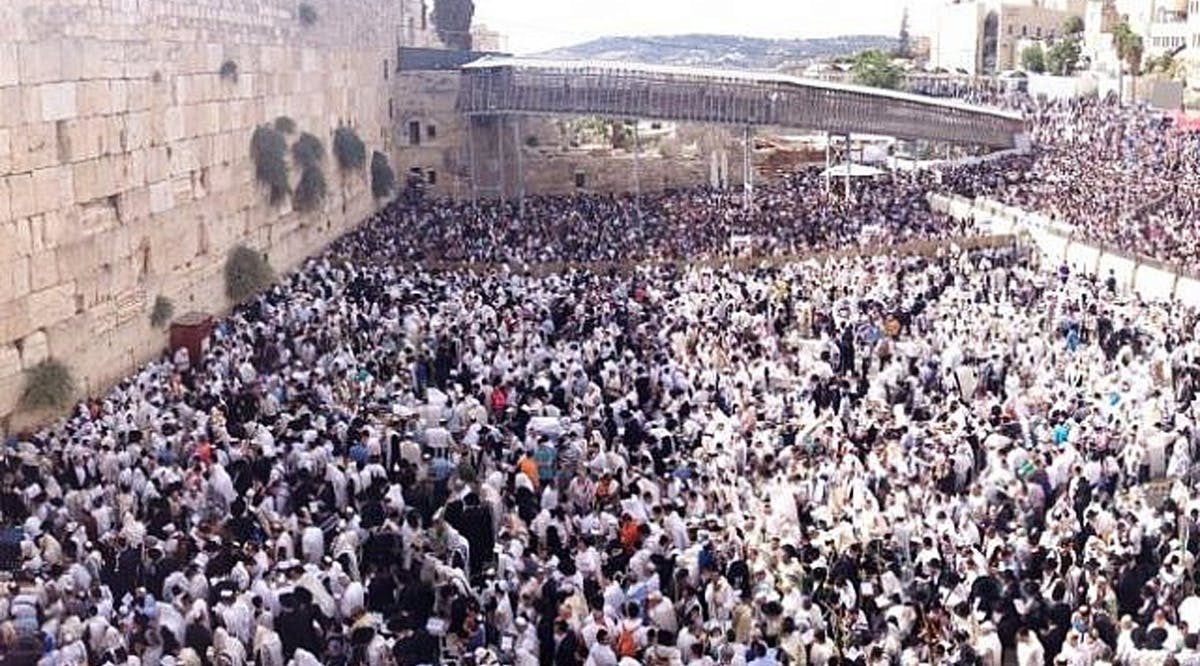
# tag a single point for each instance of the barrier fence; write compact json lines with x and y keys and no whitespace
{"x":1151,"y":279}
{"x":926,"y":248}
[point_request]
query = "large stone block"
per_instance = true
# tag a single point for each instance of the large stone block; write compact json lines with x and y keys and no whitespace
{"x":22,"y":195}
{"x":34,"y":147}
{"x":14,"y":319}
{"x":51,"y":305}
{"x":11,"y":109}
{"x":10,"y":71}
{"x":134,"y":204}
{"x":158,"y":164}
{"x":161,"y":199}
{"x":35,"y":348}
{"x":137,"y":131}
{"x":14,"y":277}
{"x":5,"y":206}
{"x":93,"y":98}
{"x":10,"y":361}
{"x":11,"y":387}
{"x":175,"y":127}
{"x":52,"y":188}
{"x":40,"y":62}
{"x":59,"y":101}
{"x":43,"y":271}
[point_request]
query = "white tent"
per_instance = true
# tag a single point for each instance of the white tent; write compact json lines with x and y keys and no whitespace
{"x":855,"y":171}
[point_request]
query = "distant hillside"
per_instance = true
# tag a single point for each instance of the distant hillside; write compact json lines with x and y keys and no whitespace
{"x":722,"y":50}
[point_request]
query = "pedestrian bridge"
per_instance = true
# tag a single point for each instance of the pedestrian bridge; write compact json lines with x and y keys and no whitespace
{"x":503,"y":85}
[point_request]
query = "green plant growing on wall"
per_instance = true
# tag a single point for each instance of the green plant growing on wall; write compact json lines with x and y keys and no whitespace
{"x":161,"y":313}
{"x":229,"y":71}
{"x":285,"y":125}
{"x":308,"y":150}
{"x":383,"y":178}
{"x":267,"y":149}
{"x":308,"y":14}
{"x":49,"y":385}
{"x":311,"y":190}
{"x":246,"y":274}
{"x":351,"y":152}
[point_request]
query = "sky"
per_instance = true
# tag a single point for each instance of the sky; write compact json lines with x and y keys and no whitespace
{"x":531,"y":26}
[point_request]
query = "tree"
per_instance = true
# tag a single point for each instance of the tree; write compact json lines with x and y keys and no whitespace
{"x":1073,"y":26}
{"x":904,"y":48}
{"x":1033,"y":59}
{"x":874,"y":68}
{"x":1133,"y":57}
{"x":1129,"y":48}
{"x":1063,"y":56}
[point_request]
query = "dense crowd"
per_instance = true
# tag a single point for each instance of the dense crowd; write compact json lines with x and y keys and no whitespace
{"x":792,"y":215}
{"x":867,"y":461}
{"x":1118,"y":174}
{"x":967,"y":459}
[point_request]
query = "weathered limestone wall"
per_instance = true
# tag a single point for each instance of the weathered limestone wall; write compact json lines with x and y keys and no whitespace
{"x":125,"y":171}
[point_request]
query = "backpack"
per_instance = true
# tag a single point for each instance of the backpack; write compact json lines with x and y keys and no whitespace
{"x":626,"y":643}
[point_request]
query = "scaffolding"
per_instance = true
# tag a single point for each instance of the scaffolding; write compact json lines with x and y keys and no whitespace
{"x":516,"y":86}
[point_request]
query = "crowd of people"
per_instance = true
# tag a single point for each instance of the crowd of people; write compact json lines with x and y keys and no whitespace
{"x":792,"y":215}
{"x":1117,"y":173}
{"x":965,"y":459}
{"x":866,"y":461}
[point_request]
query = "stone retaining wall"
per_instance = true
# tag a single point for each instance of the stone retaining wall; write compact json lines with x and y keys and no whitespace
{"x":124,"y":159}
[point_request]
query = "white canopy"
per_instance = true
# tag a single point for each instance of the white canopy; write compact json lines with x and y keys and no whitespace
{"x":855,"y":170}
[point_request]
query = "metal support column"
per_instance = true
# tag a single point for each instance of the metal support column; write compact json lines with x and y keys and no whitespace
{"x":474,"y":170}
{"x":847,"y":161}
{"x":828,"y":161}
{"x":637,"y":170}
{"x":747,"y":170}
{"x":519,"y":147}
{"x":500,"y":171}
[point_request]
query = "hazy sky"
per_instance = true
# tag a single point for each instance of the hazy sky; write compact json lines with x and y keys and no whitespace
{"x":538,"y":25}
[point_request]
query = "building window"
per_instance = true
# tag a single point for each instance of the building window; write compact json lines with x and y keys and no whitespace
{"x":414,"y":133}
{"x":430,"y":132}
{"x":1010,"y":30}
{"x":431,"y":177}
{"x":580,"y":180}
{"x":1024,"y":31}
{"x":391,"y":108}
{"x":1039,"y":31}
{"x":386,"y":73}
{"x":424,"y":16}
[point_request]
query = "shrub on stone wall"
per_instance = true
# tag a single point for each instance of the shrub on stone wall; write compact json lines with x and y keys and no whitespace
{"x":246,"y":274}
{"x":311,"y":190}
{"x":285,"y":125}
{"x":383,"y":179}
{"x":307,"y":14}
{"x":49,"y":385}
{"x":161,"y":313}
{"x":350,"y":150}
{"x":229,"y":71}
{"x":267,"y":149}
{"x":308,"y":150}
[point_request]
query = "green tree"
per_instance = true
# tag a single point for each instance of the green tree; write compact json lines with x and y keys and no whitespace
{"x":1073,"y":26}
{"x":875,"y":68}
{"x":1063,"y":56}
{"x":1033,"y":59}
{"x":1129,"y":47}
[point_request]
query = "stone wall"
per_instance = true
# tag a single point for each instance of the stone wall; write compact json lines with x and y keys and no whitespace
{"x":501,"y":147}
{"x":124,"y":159}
